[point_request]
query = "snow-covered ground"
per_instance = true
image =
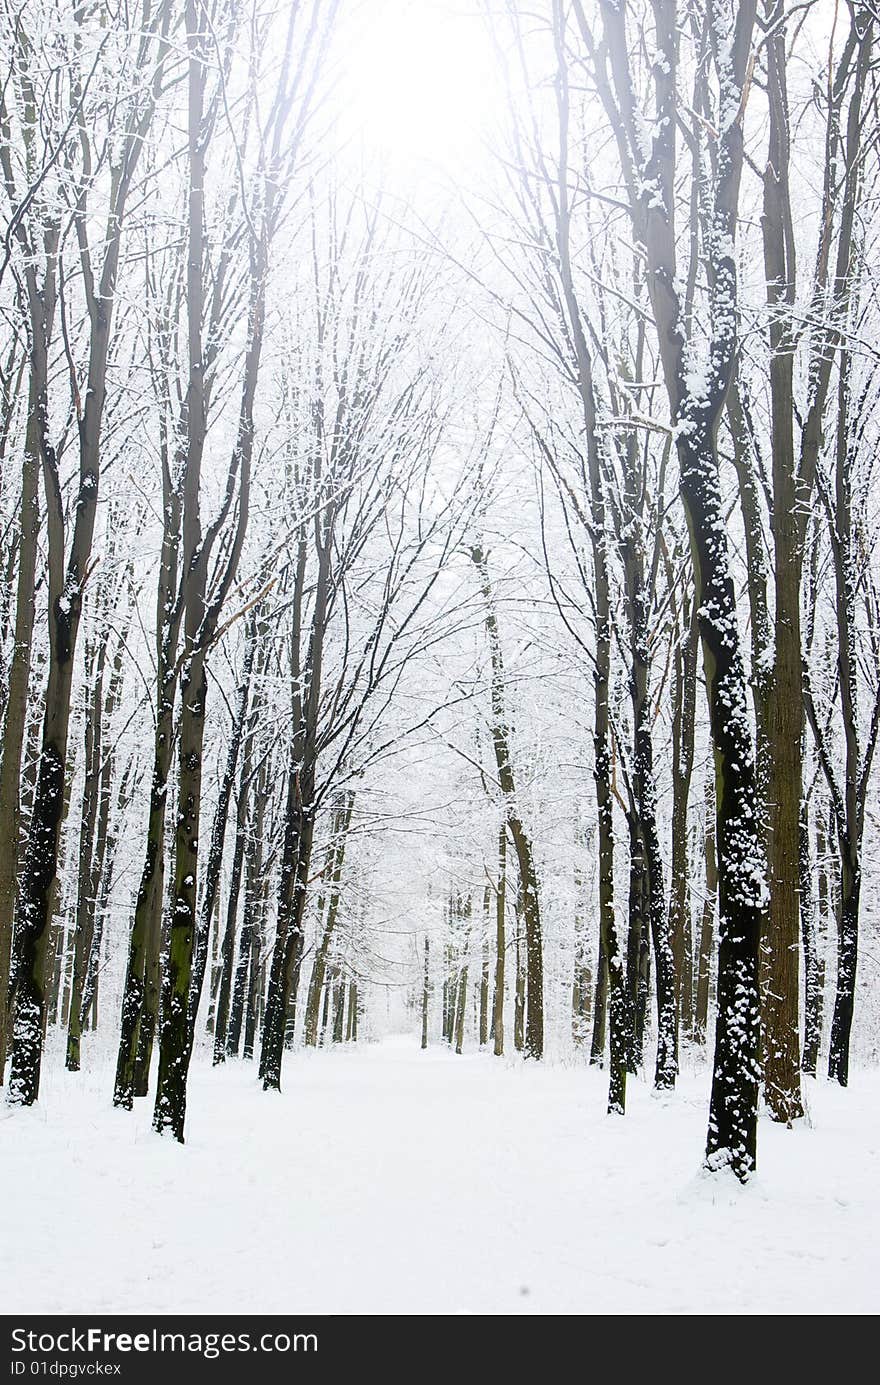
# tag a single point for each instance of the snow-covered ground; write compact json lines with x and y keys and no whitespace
{"x":386,"y":1180}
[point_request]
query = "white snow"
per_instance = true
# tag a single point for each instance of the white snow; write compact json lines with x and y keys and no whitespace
{"x":386,"y":1180}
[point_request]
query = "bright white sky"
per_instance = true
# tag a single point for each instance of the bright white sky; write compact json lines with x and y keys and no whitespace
{"x":421,"y":83}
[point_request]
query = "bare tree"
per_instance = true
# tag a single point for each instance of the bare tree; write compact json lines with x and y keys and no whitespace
{"x":697,"y":377}
{"x":129,"y":105}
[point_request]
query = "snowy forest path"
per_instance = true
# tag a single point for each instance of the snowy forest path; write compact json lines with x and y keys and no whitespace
{"x":388,"y":1180}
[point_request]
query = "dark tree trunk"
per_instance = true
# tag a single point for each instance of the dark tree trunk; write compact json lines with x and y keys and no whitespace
{"x":256,"y":987}
{"x":648,"y":909}
{"x":335,"y":861}
{"x":460,"y":1007}
{"x":533,"y":1042}
{"x":227,"y":950}
{"x":611,"y":990}
{"x":684,"y":707}
{"x":15,"y":716}
{"x":426,"y":983}
{"x":37,"y":884}
{"x":649,"y":173}
{"x":93,"y":840}
{"x":781,"y":985}
{"x":338,"y":1010}
{"x":814,"y":966}
{"x":638,"y":951}
{"x":214,"y":862}
{"x":287,"y":953}
{"x":500,"y":945}
{"x":140,"y":1001}
{"x":325,"y":1008}
{"x":484,"y":971}
{"x":707,"y":920}
{"x":847,"y":960}
{"x":448,"y":990}
{"x":174,"y":1033}
{"x":89,"y":1009}
{"x":600,"y":1010}
{"x":68,"y":570}
{"x":249,"y":925}
{"x":582,"y":981}
{"x":351,"y":1028}
{"x":519,"y":998}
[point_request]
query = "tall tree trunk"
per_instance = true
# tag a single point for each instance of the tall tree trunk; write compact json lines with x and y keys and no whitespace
{"x":611,"y":995}
{"x":519,"y":997}
{"x":256,"y":984}
{"x":460,"y":1007}
{"x":847,"y":960}
{"x":611,"y":990}
{"x":780,"y":990}
{"x":174,"y":1035}
{"x":814,"y":968}
{"x":582,"y":980}
{"x":649,"y":173}
{"x":238,"y":733}
{"x":140,"y":996}
{"x":140,"y":1001}
{"x":108,"y":831}
{"x":15,"y":717}
{"x":59,"y":932}
{"x":299,"y":820}
{"x":448,"y":1001}
{"x":38,"y":882}
{"x":707,"y":921}
{"x":338,"y":1010}
{"x":849,"y":798}
{"x":69,"y":567}
{"x":325,"y":1008}
{"x":249,"y":925}
{"x":484,"y":970}
{"x":351,"y":1029}
{"x":600,"y":1009}
{"x":500,"y":945}
{"x":426,"y":983}
{"x":534,"y":1020}
{"x":638,"y":948}
{"x":684,"y":708}
{"x":648,"y":908}
{"x":93,"y":837}
{"x":287,"y":953}
{"x":227,"y":951}
{"x":336,"y":858}
{"x":182,"y":980}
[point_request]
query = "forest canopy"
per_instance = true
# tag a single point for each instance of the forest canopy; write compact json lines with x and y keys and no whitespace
{"x":438,"y":519}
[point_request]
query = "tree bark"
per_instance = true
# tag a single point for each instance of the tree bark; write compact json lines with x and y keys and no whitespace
{"x":707,"y":922}
{"x":252,"y":903}
{"x":684,"y":709}
{"x":484,"y":970}
{"x":649,"y":172}
{"x":814,"y":967}
{"x":460,"y":1007}
{"x":15,"y":717}
{"x":500,"y":945}
{"x":68,"y":573}
{"x":781,"y":987}
{"x":227,"y":950}
{"x":239,"y":732}
{"x":341,"y":823}
{"x":533,"y":1041}
{"x":201,"y":612}
{"x":600,"y":1010}
{"x":426,"y":982}
{"x":93,"y":837}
